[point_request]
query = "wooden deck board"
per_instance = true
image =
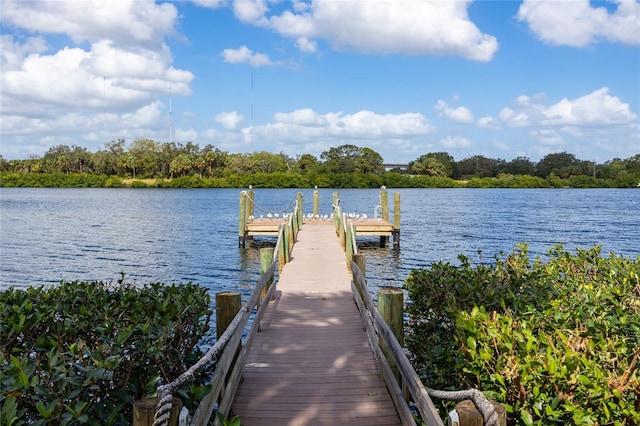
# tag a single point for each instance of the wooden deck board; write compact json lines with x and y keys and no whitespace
{"x":311,"y":363}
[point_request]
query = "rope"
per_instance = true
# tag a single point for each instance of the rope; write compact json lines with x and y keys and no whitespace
{"x":291,"y":206}
{"x":165,"y":392}
{"x":479,"y":400}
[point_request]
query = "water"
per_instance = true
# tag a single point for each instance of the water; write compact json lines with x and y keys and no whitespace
{"x":190,"y":235}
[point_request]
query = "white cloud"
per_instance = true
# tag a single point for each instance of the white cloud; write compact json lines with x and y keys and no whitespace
{"x":548,"y":137}
{"x":229,"y":120}
{"x":598,"y":108}
{"x":251,"y":12}
{"x":115,"y":66}
{"x":488,"y":122}
{"x":453,"y":142}
{"x":302,"y":117}
{"x":306,"y":45}
{"x":460,"y":115}
{"x":141,"y":22}
{"x":211,"y":4}
{"x":245,"y":55}
{"x":405,"y":27}
{"x":577,"y":23}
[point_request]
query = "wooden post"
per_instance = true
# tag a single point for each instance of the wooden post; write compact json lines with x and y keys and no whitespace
{"x":337,"y":215}
{"x":242,"y":219}
{"x":342,"y":231}
{"x":361,"y":261}
{"x":349,"y":249}
{"x":144,"y":410}
{"x":282,"y":259}
{"x":384,"y":204}
{"x":316,"y":199}
{"x":266,"y":259}
{"x":390,"y":306}
{"x":396,"y":220}
{"x":228,"y":303}
{"x":300,"y":212}
{"x":250,"y":205}
{"x":285,"y":243}
{"x":384,"y":207}
{"x":468,"y":415}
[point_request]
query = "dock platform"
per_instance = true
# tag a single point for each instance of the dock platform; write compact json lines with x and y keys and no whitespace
{"x":311,"y":363}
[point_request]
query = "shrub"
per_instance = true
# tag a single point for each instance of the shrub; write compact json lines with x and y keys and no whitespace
{"x":82,"y":353}
{"x":556,"y":341}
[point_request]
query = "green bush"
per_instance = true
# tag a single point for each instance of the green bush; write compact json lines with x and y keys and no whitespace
{"x":556,"y":341}
{"x":82,"y":353}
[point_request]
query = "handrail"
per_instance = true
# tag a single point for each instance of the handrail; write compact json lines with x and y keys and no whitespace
{"x":377,"y":329}
{"x":229,"y":348}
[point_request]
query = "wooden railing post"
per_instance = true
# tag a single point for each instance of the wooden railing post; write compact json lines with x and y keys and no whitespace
{"x":228,"y":303}
{"x":266,"y":259}
{"x":242,"y":220}
{"x":316,"y":197}
{"x":282,"y":257}
{"x":144,"y":411}
{"x":396,"y":220}
{"x":361,"y":261}
{"x":300,"y":210}
{"x":349,"y":249}
{"x":342,"y":231}
{"x":468,"y":414}
{"x":390,"y":306}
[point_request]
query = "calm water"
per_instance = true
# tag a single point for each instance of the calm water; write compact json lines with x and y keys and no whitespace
{"x":174,"y":235}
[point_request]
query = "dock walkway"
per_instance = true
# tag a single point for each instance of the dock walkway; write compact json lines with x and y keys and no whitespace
{"x":311,"y":363}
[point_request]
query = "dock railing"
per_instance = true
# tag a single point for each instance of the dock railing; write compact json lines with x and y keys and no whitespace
{"x":395,"y":367}
{"x":226,"y":357}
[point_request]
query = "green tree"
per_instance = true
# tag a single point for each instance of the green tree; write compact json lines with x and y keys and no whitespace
{"x":183,"y":165}
{"x":241,"y":164}
{"x":369,"y":161}
{"x":520,"y":166}
{"x":478,"y":166}
{"x":215,"y":160}
{"x":306,"y":163}
{"x":561,"y":163}
{"x":128,"y":162}
{"x":146,"y":152}
{"x":105,"y":161}
{"x":426,"y":164}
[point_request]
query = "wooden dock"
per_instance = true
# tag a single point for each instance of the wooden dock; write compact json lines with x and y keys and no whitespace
{"x":311,"y":363}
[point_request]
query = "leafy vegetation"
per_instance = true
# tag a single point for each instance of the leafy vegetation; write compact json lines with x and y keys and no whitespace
{"x":556,"y":341}
{"x":146,"y":163}
{"x":82,"y":353}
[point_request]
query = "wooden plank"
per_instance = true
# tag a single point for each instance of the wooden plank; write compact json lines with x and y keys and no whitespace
{"x":311,"y":363}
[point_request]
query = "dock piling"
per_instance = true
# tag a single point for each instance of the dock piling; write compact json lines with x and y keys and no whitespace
{"x":396,"y":220}
{"x":242,"y":220}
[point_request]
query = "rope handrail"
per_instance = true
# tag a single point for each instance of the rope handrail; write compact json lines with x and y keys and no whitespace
{"x":262,"y":209}
{"x":165,"y":392}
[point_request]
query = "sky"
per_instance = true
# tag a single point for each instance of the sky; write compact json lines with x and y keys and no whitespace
{"x":502,"y":79}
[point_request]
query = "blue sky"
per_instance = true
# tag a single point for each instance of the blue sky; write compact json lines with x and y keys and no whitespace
{"x":503,"y":79}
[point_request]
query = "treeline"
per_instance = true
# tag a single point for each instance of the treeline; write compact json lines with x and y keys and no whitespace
{"x":148,"y":163}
